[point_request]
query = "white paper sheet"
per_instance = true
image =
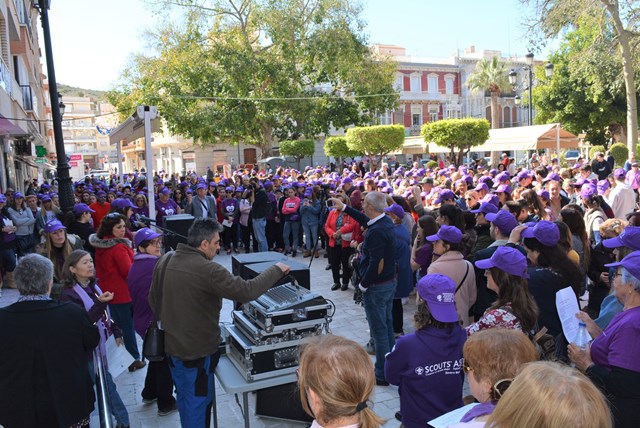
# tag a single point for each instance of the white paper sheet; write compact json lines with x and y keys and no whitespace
{"x":117,"y":356}
{"x":453,"y":417}
{"x":567,"y":306}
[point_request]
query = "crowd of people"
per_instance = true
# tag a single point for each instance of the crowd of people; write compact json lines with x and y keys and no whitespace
{"x":483,"y":250}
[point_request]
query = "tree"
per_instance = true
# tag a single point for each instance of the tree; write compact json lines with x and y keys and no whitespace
{"x":459,"y":135}
{"x":551,"y":18}
{"x":586,"y":91}
{"x":620,"y":153}
{"x":259,"y":71}
{"x":297,"y":149}
{"x":491,"y":76}
{"x":337,"y":147}
{"x":375,"y":141}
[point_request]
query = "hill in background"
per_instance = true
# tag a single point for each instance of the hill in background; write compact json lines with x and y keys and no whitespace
{"x":72,"y":91}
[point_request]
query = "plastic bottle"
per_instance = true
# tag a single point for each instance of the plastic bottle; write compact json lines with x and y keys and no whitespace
{"x":582,"y":338}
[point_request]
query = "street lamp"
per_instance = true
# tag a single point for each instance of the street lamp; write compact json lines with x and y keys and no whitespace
{"x":65,"y":191}
{"x":61,"y":105}
{"x":513,"y":80}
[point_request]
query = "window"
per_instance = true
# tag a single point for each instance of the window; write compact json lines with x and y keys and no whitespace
{"x":433,"y":113}
{"x":415,"y":83}
{"x":448,"y":85}
{"x":433,"y":83}
{"x":416,"y":119}
{"x":385,"y":118}
{"x":399,"y":86}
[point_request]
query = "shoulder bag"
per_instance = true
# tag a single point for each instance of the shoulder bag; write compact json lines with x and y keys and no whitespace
{"x":153,"y":344}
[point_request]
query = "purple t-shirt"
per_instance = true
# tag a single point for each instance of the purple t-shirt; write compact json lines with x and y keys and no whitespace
{"x":619,"y":344}
{"x":165,"y":209}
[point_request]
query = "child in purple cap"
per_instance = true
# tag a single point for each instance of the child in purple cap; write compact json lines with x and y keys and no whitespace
{"x":427,"y":364}
{"x":515,"y":308}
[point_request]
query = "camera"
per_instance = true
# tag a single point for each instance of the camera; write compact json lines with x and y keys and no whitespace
{"x":329,"y":203}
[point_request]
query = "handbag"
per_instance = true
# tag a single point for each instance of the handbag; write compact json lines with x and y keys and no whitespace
{"x":153,"y":343}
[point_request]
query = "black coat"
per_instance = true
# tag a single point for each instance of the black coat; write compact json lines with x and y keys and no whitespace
{"x":44,"y":377}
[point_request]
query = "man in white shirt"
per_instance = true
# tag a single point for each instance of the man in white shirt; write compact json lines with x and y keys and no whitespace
{"x":622,"y":199}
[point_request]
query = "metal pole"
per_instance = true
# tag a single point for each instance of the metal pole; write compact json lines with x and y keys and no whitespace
{"x":149,"y":160}
{"x":104,"y":408}
{"x":531,"y":95}
{"x":65,"y":191}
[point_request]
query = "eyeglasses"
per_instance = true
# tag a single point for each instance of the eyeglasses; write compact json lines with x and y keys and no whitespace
{"x":470,"y":199}
{"x":465,"y":367}
{"x":156,"y":243}
{"x":616,"y":274}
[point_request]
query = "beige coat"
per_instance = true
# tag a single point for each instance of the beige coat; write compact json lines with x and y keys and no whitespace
{"x":453,"y":264}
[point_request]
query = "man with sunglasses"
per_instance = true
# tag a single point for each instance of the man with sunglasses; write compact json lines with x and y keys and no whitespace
{"x":186,"y":296}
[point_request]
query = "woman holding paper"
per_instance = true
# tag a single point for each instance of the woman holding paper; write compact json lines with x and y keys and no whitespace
{"x":80,"y":287}
{"x":612,"y":360}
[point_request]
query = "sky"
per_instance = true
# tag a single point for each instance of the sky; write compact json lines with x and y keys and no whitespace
{"x":93,"y":40}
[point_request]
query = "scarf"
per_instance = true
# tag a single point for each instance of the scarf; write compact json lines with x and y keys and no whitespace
{"x":103,"y":324}
{"x":479,"y":410}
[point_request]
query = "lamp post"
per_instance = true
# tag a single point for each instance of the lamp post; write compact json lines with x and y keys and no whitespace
{"x":513,"y":79}
{"x":65,"y":191}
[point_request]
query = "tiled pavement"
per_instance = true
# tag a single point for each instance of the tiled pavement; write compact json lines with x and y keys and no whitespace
{"x":349,"y":321}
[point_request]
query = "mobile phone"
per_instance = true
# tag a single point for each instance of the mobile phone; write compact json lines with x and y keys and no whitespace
{"x":329,"y":203}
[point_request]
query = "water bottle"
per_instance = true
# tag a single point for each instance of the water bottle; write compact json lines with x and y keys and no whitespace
{"x":582,"y":338}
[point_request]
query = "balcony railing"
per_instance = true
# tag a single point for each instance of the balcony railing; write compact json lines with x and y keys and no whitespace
{"x":27,"y":97}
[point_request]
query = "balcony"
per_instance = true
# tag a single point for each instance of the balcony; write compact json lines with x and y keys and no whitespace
{"x":27,"y":97}
{"x":428,"y":96}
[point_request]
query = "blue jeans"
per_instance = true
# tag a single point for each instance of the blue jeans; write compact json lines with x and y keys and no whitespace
{"x":378,"y":302}
{"x":8,"y":259}
{"x":289,"y":228}
{"x":310,"y":235}
{"x":194,"y":382}
{"x":259,"y":233}
{"x":122,"y":315}
{"x":118,"y":409}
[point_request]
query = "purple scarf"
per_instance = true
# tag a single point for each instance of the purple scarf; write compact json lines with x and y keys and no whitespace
{"x":104,"y":327}
{"x":479,"y":410}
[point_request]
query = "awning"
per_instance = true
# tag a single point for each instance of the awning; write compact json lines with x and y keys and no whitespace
{"x":8,"y":128}
{"x":509,"y":139}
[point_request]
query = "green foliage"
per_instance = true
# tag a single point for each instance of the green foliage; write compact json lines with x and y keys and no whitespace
{"x":594,"y":149}
{"x":259,"y":71}
{"x":297,"y":148}
{"x":620,"y":153}
{"x":432,"y":164}
{"x":491,"y":76}
{"x":375,"y":140}
{"x":337,"y":148}
{"x":457,"y":134}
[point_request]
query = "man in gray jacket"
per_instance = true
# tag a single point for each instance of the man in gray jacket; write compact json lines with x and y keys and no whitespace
{"x":186,"y":295}
{"x":202,"y":205}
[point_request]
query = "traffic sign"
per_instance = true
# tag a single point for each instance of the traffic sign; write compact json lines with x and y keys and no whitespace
{"x":41,"y":160}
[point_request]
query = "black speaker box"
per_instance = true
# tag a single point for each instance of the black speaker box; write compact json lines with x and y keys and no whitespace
{"x":282,"y":402}
{"x":239,"y":260}
{"x":179,"y":224}
{"x":298,"y":270}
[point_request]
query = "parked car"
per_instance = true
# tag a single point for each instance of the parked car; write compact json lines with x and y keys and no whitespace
{"x":571,"y":156}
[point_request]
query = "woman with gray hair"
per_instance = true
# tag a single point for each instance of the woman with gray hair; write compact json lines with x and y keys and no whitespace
{"x":611,"y":362}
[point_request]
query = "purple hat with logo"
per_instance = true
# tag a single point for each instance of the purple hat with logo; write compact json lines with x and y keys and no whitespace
{"x":81,"y":209}
{"x":144,"y":234}
{"x":630,"y":237}
{"x":552,"y":177}
{"x":396,"y":210}
{"x":481,"y":186}
{"x":503,"y":188}
{"x":525,"y":173}
{"x":602,"y":187}
{"x":486,"y":208}
{"x":447,"y":233}
{"x":546,"y":232}
{"x":347,"y":180}
{"x":438,"y":291}
{"x":53,"y":225}
{"x":588,"y":190}
{"x":491,"y":198}
{"x":202,"y":186}
{"x":507,"y":259}
{"x":631,"y":263}
{"x":18,"y":195}
{"x":504,"y":220}
{"x":619,"y":173}
{"x":101,"y":194}
{"x":445,"y":195}
{"x":45,"y":198}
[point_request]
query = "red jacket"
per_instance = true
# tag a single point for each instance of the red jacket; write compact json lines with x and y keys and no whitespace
{"x":113,"y":260}
{"x":349,"y":225}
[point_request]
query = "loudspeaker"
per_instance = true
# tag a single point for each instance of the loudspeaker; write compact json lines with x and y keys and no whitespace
{"x":282,"y":402}
{"x":298,"y":270}
{"x":238,"y":261}
{"x":179,"y":224}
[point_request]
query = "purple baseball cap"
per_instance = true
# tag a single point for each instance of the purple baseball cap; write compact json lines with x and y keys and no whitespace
{"x":579,"y":182}
{"x":504,"y":220}
{"x":588,"y":190}
{"x":122,"y":203}
{"x":552,"y":177}
{"x":165,"y":191}
{"x":619,"y":173}
{"x":525,"y":173}
{"x":438,"y":291}
{"x":445,"y":195}
{"x":546,"y":232}
{"x":81,"y":209}
{"x":53,"y":225}
{"x":395,"y":209}
{"x":544,"y":194}
{"x":481,"y":186}
{"x":491,"y":198}
{"x":602,"y":186}
{"x":631,"y":263}
{"x":144,"y":234}
{"x":3,"y":199}
{"x":507,"y":259}
{"x":447,"y":233}
{"x":630,"y":237}
{"x":486,"y":208}
{"x":18,"y":195}
{"x":503,"y":188}
{"x":203,"y":186}
{"x":347,"y":180}
{"x":503,"y":176}
{"x":45,"y":198}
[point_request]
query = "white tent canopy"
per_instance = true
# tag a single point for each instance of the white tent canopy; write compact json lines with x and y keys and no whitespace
{"x":549,"y":136}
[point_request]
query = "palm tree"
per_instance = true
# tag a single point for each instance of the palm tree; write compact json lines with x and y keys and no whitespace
{"x":491,"y":76}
